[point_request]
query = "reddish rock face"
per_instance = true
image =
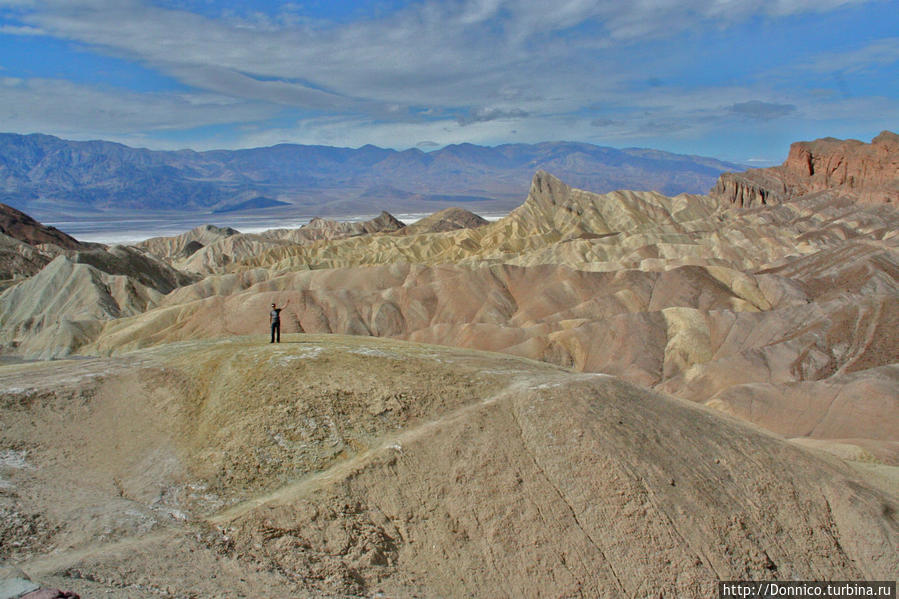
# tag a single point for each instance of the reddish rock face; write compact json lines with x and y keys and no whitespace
{"x":867,"y":173}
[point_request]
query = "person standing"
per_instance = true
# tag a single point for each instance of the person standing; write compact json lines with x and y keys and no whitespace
{"x":275,"y":320}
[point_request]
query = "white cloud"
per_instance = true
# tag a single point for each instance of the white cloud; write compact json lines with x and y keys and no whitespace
{"x":433,"y":53}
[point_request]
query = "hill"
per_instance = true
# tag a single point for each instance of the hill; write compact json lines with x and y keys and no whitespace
{"x":346,"y":467}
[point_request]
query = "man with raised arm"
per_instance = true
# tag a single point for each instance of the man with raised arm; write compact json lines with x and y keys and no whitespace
{"x":275,"y":320}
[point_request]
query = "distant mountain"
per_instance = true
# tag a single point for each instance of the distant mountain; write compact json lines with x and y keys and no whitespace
{"x":45,"y":175}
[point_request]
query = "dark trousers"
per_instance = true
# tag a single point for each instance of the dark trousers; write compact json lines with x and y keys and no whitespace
{"x":276,"y":328}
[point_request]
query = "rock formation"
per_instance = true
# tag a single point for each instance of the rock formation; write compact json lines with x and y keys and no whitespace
{"x":183,"y":246}
{"x":320,"y":229}
{"x":865,"y":172}
{"x":210,"y":249}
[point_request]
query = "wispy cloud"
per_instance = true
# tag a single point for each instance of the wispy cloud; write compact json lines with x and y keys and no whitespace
{"x":882,"y":52}
{"x":482,"y":115}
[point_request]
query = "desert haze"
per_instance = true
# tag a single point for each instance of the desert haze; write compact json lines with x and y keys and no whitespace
{"x":618,"y":394}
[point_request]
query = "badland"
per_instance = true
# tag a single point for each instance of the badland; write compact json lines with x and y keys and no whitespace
{"x":600,"y":395}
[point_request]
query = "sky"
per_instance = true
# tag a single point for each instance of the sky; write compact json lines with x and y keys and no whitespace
{"x":734,"y":79}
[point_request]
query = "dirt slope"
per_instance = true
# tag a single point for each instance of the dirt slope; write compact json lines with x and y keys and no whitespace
{"x":348,"y":466}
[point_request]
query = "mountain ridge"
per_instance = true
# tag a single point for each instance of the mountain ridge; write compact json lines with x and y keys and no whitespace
{"x":47,"y":175}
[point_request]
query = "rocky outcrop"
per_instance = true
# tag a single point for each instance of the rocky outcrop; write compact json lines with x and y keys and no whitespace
{"x":870,"y":171}
{"x":750,"y":189}
{"x":867,"y":173}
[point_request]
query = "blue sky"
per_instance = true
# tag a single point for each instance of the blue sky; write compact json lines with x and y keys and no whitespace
{"x":735,"y":79}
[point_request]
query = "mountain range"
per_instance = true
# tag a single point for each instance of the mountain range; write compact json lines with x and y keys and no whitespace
{"x":51,"y":177}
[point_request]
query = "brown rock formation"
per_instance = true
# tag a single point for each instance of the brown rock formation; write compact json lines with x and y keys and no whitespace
{"x":864,"y":172}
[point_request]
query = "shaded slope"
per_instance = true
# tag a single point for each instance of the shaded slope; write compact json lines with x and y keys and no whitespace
{"x":26,"y":246}
{"x":448,"y":219}
{"x":19,"y":225}
{"x":19,"y":260}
